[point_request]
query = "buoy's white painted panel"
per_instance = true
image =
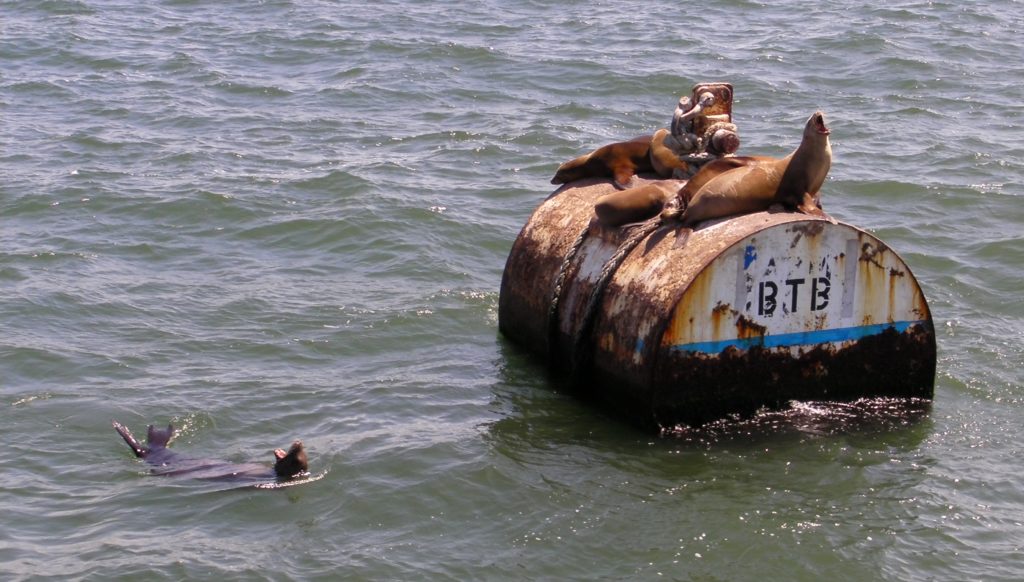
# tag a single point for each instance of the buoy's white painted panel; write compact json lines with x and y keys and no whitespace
{"x":794,"y":285}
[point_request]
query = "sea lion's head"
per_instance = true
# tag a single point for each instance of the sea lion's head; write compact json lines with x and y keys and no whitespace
{"x":291,"y":463}
{"x":816,"y":125}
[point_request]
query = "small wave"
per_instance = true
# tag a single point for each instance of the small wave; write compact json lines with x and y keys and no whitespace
{"x":811,"y":417}
{"x":308,"y":478}
{"x":65,"y":8}
{"x":235,"y":87}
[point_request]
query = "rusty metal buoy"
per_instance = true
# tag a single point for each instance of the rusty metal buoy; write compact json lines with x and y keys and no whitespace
{"x":749,"y":312}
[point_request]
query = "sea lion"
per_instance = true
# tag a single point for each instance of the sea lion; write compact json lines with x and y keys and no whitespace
{"x":166,"y":463}
{"x":619,"y":161}
{"x":664,"y":161}
{"x":634,"y":204}
{"x":642,"y":202}
{"x":792,"y":182}
{"x":711,"y":170}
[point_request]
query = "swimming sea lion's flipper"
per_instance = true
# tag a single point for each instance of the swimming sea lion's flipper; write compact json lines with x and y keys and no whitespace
{"x":158,"y":439}
{"x":137,"y":448}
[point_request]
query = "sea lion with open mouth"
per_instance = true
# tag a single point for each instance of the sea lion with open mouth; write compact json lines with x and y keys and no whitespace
{"x":792,"y":182}
{"x":732,"y":185}
{"x":288,"y":464}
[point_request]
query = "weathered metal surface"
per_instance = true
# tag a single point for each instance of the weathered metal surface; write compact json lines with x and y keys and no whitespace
{"x":793,"y":311}
{"x":743,"y":313}
{"x":710,"y":104}
{"x":535,"y":259}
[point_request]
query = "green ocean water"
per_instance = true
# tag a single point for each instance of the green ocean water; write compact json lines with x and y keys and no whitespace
{"x":277,"y":220}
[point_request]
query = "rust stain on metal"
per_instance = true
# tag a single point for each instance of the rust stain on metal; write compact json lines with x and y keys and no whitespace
{"x":810,"y":228}
{"x":868,"y":267}
{"x":692,"y":311}
{"x":892,"y":293}
{"x":869,"y":252}
{"x":720,"y":317}
{"x":747,"y":328}
{"x":820,"y":322}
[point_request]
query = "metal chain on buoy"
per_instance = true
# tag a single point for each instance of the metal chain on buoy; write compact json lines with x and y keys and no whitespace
{"x":582,"y":346}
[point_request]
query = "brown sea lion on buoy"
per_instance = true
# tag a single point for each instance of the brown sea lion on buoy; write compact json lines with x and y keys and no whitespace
{"x":664,"y":160}
{"x":642,"y":202}
{"x":709,"y":171}
{"x":288,"y":464}
{"x":619,"y":161}
{"x":634,"y":204}
{"x":793,"y":181}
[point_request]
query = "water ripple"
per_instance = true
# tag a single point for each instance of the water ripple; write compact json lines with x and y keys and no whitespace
{"x":293,"y":224}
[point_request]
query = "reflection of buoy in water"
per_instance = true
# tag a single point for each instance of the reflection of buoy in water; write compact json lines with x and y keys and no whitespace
{"x":751,"y":311}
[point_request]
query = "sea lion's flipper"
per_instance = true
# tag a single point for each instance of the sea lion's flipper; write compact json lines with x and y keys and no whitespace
{"x":810,"y":208}
{"x":137,"y":448}
{"x":633,"y":204}
{"x":625,"y":178}
{"x":158,"y":439}
{"x":682,"y":236}
{"x":664,"y":159}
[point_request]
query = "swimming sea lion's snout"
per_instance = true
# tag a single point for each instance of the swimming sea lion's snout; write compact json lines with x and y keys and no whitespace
{"x":291,"y":463}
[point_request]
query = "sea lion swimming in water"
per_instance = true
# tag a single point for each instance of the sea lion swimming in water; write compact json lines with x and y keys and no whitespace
{"x":288,"y":465}
{"x":792,"y":182}
{"x":619,"y":161}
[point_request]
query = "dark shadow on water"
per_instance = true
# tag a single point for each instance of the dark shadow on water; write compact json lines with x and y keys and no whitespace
{"x":537,"y":403}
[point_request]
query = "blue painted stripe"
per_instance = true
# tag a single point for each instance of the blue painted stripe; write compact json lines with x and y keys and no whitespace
{"x":801,"y":338}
